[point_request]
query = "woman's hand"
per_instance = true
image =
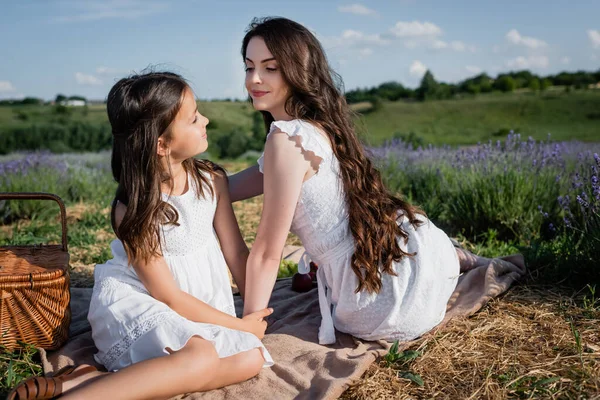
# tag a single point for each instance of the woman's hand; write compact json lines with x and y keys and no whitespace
{"x":255,"y":323}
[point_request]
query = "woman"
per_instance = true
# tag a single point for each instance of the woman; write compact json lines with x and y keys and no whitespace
{"x":385,"y":271}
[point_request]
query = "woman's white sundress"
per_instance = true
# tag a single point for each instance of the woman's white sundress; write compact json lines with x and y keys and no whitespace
{"x":129,"y":325}
{"x":409,"y":304}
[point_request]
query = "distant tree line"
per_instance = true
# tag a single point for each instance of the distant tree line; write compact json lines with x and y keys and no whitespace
{"x":237,"y":141}
{"x":430,"y":88}
{"x":56,"y":137}
{"x":63,"y":131}
{"x":38,"y":102}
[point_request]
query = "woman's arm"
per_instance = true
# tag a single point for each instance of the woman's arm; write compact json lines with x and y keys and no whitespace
{"x":285,"y":168}
{"x":245,"y":184}
{"x":228,"y":231}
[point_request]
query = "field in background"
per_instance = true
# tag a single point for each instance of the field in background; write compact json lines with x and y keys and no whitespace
{"x":564,"y":115}
{"x":541,"y":198}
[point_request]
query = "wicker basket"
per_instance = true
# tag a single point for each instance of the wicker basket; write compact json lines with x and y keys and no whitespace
{"x":34,"y":288}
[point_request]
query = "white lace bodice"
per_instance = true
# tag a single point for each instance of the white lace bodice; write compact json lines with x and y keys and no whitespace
{"x":195,"y":223}
{"x":321,"y":217}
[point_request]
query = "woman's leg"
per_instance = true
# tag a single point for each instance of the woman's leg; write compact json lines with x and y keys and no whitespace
{"x":468,"y":260}
{"x":196,"y":367}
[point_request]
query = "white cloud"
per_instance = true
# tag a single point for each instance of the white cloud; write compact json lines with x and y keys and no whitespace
{"x":457,"y":45}
{"x":352,"y":38}
{"x":472,"y":69}
{"x":565,"y":60}
{"x":411,"y":35}
{"x":417,"y":68}
{"x":415,"y":29}
{"x":357,"y":9}
{"x":515,"y":37}
{"x":528,"y":62}
{"x":93,"y":10}
{"x":366,"y":52}
{"x":412,"y":44}
{"x":6,"y":86}
{"x":439,"y":44}
{"x":594,"y":38}
{"x":426,"y":35}
{"x":109,"y":71}
{"x":84,"y":79}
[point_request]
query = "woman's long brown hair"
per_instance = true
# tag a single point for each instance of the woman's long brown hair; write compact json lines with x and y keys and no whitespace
{"x":140,"y":110}
{"x":316,"y":97}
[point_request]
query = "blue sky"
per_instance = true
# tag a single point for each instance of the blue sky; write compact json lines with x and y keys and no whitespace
{"x":82,"y":47}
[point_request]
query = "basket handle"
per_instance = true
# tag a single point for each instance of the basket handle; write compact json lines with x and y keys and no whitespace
{"x":43,"y":196}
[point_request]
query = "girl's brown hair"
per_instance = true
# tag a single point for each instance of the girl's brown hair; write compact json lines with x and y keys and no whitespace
{"x":140,"y":110}
{"x":316,"y":96}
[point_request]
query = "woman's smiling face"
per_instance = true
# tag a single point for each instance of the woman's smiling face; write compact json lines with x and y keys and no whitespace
{"x":264,"y":81}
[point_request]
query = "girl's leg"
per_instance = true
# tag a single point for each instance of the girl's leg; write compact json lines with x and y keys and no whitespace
{"x":196,"y":367}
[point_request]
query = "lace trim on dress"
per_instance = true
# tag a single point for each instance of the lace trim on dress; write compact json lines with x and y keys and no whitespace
{"x":123,"y":345}
{"x":112,"y":283}
{"x":311,"y":139}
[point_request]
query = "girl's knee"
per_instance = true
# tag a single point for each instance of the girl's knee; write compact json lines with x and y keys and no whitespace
{"x":255,"y":361}
{"x":199,"y":356}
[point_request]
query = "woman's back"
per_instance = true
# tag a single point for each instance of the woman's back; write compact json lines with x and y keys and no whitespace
{"x":410,"y":302}
{"x":321,"y":216}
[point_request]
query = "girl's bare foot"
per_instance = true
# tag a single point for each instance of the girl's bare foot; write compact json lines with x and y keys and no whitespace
{"x":80,"y":375}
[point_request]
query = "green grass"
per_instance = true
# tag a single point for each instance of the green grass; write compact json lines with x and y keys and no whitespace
{"x":225,"y":115}
{"x":566,"y":116}
{"x":25,"y":115}
{"x":476,"y":204}
{"x":17,"y":365}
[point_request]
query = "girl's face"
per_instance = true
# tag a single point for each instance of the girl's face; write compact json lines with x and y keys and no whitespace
{"x":188,"y":131}
{"x":264,"y":81}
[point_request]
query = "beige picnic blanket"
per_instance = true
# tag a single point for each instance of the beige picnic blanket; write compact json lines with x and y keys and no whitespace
{"x":303,"y":369}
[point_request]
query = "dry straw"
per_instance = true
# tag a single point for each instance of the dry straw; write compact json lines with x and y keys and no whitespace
{"x":521,"y":346}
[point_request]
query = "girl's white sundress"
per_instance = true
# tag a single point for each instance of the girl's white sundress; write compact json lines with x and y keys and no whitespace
{"x":129,"y":325}
{"x":409,"y":304}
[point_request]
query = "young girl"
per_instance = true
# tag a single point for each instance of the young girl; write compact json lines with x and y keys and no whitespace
{"x":385,"y":271}
{"x":162,"y":311}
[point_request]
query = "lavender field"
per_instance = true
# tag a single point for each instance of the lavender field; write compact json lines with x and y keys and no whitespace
{"x":540,"y":198}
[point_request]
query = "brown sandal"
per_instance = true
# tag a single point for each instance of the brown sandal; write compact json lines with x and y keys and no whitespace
{"x":42,"y":387}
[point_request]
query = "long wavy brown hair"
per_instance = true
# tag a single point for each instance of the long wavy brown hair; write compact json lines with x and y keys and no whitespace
{"x":140,"y":110}
{"x":317,"y":97}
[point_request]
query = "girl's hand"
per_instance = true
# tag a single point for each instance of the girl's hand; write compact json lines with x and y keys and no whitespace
{"x":255,"y":322}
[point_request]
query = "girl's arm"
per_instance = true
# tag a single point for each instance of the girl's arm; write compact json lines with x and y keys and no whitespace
{"x":158,"y":280}
{"x":285,"y":168}
{"x":245,"y":184}
{"x":228,"y":231}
